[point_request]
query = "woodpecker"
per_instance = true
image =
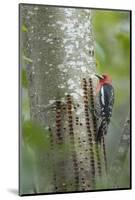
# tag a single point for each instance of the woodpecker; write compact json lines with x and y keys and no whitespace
{"x":105,"y":96}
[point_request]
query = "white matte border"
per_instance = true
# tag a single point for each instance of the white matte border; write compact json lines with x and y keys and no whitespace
{"x":9,"y":99}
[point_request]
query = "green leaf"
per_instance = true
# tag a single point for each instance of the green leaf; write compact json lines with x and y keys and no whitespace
{"x":24,"y":28}
{"x":24,"y":79}
{"x":35,"y":136}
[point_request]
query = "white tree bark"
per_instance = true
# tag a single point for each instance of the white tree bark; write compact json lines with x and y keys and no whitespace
{"x":57,"y":48}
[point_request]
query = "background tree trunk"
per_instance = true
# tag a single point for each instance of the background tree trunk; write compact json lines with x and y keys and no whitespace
{"x":57,"y":48}
{"x":121,"y":166}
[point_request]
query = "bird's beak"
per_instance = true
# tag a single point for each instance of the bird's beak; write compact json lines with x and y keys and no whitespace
{"x":99,"y":76}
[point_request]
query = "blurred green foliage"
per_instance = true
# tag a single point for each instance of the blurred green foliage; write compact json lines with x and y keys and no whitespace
{"x":24,"y":78}
{"x":112,"y":51}
{"x":35,"y":136}
{"x":38,"y":138}
{"x":112,"y":46}
{"x":116,"y":179}
{"x":112,"y":34}
{"x":24,"y":28}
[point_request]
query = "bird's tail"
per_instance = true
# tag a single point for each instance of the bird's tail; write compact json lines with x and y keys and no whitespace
{"x":101,"y":131}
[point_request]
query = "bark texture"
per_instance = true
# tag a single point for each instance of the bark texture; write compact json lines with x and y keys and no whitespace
{"x":123,"y":153}
{"x":57,"y":47}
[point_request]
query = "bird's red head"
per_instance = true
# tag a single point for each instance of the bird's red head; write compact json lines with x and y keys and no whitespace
{"x":103,"y":79}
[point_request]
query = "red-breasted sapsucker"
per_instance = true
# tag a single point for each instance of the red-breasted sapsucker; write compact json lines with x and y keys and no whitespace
{"x":105,"y":101}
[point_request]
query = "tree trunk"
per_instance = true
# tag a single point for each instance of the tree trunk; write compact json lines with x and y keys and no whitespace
{"x":57,"y":47}
{"x":121,"y":165}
